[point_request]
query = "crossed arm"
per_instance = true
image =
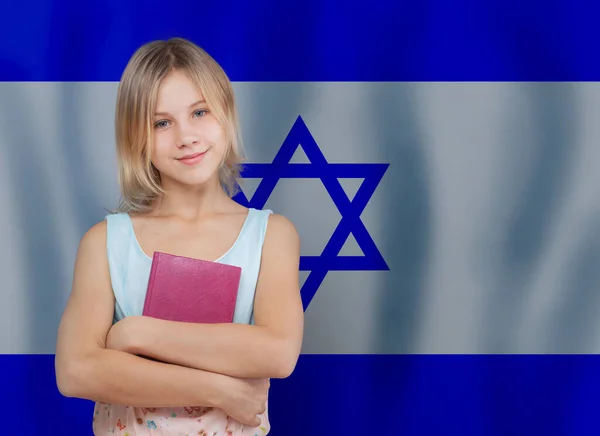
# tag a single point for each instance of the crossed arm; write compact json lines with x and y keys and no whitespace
{"x":195,"y":364}
{"x":268,"y":349}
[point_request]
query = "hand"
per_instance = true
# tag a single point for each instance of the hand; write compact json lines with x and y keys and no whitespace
{"x":245,"y":399}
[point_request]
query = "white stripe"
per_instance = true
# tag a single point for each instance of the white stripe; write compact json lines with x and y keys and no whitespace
{"x":471,"y":164}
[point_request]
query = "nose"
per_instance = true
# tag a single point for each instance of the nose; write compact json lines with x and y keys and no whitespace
{"x":186,"y":136}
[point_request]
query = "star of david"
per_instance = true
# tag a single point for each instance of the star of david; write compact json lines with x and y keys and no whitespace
{"x":350,"y":210}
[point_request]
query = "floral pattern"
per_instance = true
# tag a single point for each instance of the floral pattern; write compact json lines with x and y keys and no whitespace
{"x":112,"y":419}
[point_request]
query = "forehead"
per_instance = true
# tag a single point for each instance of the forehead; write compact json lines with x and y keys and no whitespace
{"x":176,"y":92}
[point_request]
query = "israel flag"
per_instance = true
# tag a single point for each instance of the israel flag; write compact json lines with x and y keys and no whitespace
{"x":439,"y":159}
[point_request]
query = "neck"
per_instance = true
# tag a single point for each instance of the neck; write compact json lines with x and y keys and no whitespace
{"x":191,"y":202}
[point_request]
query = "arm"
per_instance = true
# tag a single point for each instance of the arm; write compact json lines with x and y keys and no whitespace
{"x":86,"y":369}
{"x":269,"y":349}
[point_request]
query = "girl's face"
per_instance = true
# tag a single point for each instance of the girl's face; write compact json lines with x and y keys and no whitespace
{"x":189,"y":142}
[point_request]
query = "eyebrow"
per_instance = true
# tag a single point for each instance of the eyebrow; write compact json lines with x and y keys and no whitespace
{"x":156,"y":114}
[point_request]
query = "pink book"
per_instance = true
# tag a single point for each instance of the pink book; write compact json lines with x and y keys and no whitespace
{"x":191,"y":290}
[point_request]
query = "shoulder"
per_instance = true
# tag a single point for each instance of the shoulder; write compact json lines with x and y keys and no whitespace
{"x":95,"y":237}
{"x":95,"y":234}
{"x":281,"y":235}
{"x":279,"y":225}
{"x":92,"y":246}
{"x":98,"y":235}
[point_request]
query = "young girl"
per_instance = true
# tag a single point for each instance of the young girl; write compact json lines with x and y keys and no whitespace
{"x":178,"y":157}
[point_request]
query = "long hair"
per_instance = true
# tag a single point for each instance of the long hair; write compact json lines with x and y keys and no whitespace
{"x":139,"y":180}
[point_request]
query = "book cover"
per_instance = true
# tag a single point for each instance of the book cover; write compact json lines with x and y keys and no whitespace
{"x":191,"y":290}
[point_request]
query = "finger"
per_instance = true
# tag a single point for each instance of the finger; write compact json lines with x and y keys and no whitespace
{"x":251,"y":422}
{"x":254,"y":421}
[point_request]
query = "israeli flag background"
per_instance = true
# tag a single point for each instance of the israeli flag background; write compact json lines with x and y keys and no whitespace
{"x":439,"y":159}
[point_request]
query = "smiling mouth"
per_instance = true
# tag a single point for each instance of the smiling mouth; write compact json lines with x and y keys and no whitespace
{"x":191,"y":159}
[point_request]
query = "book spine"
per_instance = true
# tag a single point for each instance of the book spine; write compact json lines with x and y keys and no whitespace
{"x":150,"y":288}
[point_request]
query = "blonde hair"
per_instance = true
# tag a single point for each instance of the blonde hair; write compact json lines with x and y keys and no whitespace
{"x":137,"y":94}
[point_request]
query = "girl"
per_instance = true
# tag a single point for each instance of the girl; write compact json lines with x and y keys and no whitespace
{"x":178,"y":158}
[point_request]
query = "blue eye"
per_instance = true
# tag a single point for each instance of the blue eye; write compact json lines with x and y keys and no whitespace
{"x":161,"y":124}
{"x":200,"y":112}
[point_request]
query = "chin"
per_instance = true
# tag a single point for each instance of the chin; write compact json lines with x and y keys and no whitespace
{"x":193,"y":180}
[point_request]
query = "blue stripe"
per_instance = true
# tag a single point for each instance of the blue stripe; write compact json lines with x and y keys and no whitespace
{"x":396,"y":394}
{"x":273,"y":40}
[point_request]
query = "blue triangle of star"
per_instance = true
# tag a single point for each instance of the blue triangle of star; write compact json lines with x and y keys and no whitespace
{"x":350,"y":210}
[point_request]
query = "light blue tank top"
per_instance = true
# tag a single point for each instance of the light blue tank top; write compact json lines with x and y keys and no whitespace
{"x":129,"y":265}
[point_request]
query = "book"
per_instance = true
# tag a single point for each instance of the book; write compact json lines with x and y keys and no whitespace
{"x":191,"y":290}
